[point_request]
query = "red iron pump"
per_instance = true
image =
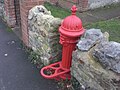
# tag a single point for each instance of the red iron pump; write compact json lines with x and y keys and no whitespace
{"x":70,"y":31}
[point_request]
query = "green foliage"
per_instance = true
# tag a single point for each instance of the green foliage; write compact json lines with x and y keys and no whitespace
{"x":76,"y":85}
{"x":72,"y":84}
{"x":9,"y":29}
{"x":57,"y":11}
{"x":34,"y":58}
{"x":65,"y":84}
{"x":111,"y":26}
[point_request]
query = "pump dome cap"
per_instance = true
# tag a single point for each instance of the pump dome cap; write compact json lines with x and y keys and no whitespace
{"x":72,"y":25}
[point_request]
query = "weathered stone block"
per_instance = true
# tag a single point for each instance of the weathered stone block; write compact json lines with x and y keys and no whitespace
{"x":89,"y":67}
{"x":108,"y":54}
{"x":91,"y":37}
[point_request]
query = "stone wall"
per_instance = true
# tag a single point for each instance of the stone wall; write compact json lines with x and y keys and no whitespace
{"x":96,"y":62}
{"x":43,"y":34}
{"x":92,"y":4}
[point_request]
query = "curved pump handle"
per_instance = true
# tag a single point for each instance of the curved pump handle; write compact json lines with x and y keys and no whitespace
{"x":58,"y":71}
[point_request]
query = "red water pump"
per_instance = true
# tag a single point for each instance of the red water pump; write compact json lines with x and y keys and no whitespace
{"x":70,"y":30}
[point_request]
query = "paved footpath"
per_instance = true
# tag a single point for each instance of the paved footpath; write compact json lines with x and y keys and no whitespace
{"x":16,"y":72}
{"x":100,"y":14}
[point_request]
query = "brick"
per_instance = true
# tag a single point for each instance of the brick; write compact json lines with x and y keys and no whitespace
{"x":10,"y":11}
{"x":25,"y":6}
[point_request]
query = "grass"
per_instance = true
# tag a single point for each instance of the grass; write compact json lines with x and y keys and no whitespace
{"x":57,"y":11}
{"x":111,"y":26}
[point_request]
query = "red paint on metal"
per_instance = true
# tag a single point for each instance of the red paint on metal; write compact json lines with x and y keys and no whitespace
{"x":70,"y":31}
{"x":55,"y":71}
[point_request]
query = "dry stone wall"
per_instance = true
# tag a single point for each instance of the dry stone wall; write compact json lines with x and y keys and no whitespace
{"x":43,"y":34}
{"x":96,"y":62}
